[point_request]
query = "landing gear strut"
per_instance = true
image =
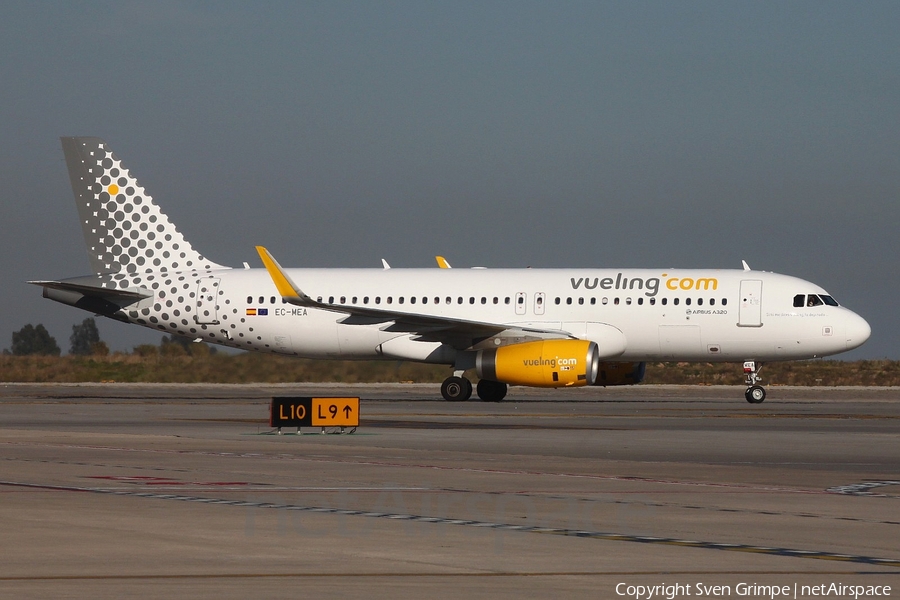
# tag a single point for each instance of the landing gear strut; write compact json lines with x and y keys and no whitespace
{"x":456,"y":389}
{"x":491,"y":391}
{"x":755,"y":393}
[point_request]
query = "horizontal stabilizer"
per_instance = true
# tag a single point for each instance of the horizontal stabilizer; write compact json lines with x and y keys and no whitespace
{"x":108,"y":302}
{"x":96,"y":292}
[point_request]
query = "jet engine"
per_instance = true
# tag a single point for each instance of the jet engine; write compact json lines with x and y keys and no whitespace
{"x":545,"y":363}
{"x":620,"y":373}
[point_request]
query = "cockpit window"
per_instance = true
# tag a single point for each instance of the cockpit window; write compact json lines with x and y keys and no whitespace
{"x":801,"y":300}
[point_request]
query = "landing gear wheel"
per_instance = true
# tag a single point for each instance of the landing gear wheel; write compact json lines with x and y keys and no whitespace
{"x":456,"y":389}
{"x":491,"y":391}
{"x":755,"y":394}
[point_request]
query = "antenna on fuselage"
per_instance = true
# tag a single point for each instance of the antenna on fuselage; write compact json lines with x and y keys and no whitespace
{"x":746,"y":266}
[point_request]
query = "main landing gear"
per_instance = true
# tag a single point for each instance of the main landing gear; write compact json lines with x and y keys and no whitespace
{"x":459,"y":389}
{"x":456,"y":389}
{"x":755,"y":393}
{"x":491,"y":391}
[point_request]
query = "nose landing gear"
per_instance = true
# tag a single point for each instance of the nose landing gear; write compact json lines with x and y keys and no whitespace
{"x":755,"y":393}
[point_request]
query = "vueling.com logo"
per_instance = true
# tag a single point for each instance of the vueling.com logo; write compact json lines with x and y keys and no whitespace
{"x":564,"y":363}
{"x":651,"y":284}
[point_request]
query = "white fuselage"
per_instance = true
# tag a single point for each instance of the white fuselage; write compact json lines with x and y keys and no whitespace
{"x":662,"y":314}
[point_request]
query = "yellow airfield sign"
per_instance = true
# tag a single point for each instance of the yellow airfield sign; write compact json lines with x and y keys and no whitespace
{"x":305,"y":411}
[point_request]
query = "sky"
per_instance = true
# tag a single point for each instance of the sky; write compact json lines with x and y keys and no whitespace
{"x":498,"y":134}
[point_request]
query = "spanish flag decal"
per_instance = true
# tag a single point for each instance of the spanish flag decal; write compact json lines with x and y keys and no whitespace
{"x":251,"y":312}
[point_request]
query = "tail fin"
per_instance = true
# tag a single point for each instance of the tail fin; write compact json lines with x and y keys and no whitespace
{"x":125,"y":231}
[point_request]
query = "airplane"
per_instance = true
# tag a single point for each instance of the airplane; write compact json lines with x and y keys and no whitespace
{"x":550,"y":328}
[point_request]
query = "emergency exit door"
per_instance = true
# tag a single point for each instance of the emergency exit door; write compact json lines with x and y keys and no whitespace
{"x":750,"y":311}
{"x":207,"y":302}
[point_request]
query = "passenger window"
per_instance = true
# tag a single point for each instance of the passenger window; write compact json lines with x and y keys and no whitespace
{"x":506,"y":300}
{"x":593,"y":301}
{"x":399,"y":300}
{"x":605,"y":301}
{"x":581,"y":301}
{"x":377,"y":299}
{"x":724,"y":301}
{"x":354,"y":299}
{"x":556,"y":301}
{"x":471,"y":299}
{"x":799,"y":299}
{"x":412,"y":300}
{"x":568,"y":301}
{"x":699,"y":301}
{"x":675,"y":301}
{"x":449,"y":300}
{"x":272,"y":300}
{"x":483,"y":300}
{"x":616,"y":301}
{"x":640,"y":301}
{"x":496,"y":300}
{"x":330,"y":299}
{"x":343,"y":299}
{"x":262,"y":300}
{"x":652,"y":301}
{"x":665,"y":301}
{"x":712,"y":301}
{"x":628,"y":301}
{"x":365,"y":300}
{"x":249,"y":299}
{"x":459,"y":300}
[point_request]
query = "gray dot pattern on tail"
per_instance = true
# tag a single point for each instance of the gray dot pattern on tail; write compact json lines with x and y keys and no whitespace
{"x":130,"y":234}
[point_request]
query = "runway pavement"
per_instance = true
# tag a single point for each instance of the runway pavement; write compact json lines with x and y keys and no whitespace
{"x":112,"y":490}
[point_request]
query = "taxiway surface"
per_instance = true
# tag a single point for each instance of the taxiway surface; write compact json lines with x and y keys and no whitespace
{"x":113,"y":490}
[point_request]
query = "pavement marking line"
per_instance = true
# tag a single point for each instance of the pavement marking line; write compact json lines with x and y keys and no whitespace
{"x":374,"y":463}
{"x":342,"y":575}
{"x":864,"y":489}
{"x":598,"y":535}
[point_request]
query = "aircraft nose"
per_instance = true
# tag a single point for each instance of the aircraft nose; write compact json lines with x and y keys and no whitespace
{"x":858,"y":331}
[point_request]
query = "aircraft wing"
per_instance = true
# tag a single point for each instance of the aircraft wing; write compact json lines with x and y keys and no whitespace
{"x":462,"y":334}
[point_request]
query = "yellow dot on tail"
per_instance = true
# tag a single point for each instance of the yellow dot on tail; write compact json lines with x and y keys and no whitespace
{"x":113,"y":190}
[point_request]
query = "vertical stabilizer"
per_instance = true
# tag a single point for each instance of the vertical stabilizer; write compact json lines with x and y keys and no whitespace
{"x":124,"y":229}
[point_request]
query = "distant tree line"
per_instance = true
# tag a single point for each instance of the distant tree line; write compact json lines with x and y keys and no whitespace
{"x":85,"y":341}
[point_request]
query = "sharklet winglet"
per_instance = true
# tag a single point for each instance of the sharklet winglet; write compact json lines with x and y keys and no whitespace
{"x":283,"y":283}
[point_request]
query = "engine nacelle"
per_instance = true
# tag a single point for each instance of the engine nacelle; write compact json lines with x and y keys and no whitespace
{"x":620,"y":373}
{"x":545,"y":363}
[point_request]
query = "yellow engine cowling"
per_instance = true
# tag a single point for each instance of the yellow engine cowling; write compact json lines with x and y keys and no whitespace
{"x":620,"y":373}
{"x":546,"y":363}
